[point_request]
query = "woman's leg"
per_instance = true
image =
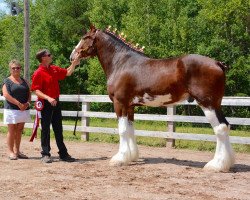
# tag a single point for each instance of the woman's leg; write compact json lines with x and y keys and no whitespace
{"x":18,"y":136}
{"x":11,"y":139}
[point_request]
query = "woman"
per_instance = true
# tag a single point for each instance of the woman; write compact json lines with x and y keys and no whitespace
{"x":16,"y":108}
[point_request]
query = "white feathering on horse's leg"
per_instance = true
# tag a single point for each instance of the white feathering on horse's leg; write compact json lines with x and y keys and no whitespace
{"x":224,"y":154}
{"x":132,"y":142}
{"x":123,"y":157}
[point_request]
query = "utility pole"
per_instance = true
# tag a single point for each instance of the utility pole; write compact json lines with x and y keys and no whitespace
{"x":26,"y":41}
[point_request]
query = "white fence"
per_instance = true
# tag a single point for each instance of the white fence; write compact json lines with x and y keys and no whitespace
{"x":170,"y":119}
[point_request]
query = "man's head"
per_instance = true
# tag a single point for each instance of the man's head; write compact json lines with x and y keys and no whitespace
{"x":44,"y":55}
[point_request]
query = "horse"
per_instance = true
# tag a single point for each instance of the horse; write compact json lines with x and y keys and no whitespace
{"x":134,"y":79}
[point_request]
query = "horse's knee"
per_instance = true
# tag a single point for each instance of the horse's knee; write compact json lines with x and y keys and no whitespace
{"x":222,"y":131}
{"x":123,"y":126}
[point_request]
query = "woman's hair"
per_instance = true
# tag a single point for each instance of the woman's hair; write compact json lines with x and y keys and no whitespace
{"x":14,"y":62}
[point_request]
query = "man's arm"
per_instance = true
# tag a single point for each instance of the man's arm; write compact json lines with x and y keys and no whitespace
{"x":41,"y":95}
{"x":71,"y":68}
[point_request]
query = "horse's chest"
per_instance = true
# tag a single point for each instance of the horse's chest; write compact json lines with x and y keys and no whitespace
{"x":153,"y":101}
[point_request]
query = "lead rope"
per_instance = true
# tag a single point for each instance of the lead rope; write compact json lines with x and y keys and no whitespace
{"x":78,"y":101}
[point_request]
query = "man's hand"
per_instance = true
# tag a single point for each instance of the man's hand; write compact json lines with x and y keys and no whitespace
{"x":41,"y":95}
{"x":71,"y":68}
{"x":75,"y":62}
{"x":52,"y":101}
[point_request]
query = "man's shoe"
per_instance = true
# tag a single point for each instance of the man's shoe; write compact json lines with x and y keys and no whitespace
{"x":46,"y":159}
{"x":67,"y":158}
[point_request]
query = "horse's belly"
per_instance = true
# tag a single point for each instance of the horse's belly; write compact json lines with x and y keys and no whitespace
{"x":153,"y":101}
{"x":158,"y":100}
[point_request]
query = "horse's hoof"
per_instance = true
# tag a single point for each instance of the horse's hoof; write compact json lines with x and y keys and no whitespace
{"x":120,"y":159}
{"x":116,"y":163}
{"x":135,"y":157}
{"x":217,"y":166}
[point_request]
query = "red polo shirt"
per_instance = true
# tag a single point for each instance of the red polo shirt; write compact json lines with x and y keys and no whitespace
{"x":46,"y":79}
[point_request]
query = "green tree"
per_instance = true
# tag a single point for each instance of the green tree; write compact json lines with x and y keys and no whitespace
{"x":224,"y":35}
{"x":219,"y":29}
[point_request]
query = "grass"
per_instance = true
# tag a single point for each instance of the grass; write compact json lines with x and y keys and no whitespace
{"x":149,"y":141}
{"x":161,"y":142}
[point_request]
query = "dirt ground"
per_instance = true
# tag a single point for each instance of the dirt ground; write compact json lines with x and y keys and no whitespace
{"x":160,"y":173}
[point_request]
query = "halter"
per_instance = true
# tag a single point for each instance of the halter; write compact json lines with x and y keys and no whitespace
{"x":87,"y":48}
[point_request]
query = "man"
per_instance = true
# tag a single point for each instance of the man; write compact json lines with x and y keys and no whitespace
{"x":45,"y":84}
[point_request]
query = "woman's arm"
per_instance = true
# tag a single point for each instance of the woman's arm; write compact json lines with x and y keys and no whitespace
{"x":29,"y":97}
{"x":11,"y":99}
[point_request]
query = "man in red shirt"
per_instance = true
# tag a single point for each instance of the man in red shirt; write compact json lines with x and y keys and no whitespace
{"x":45,"y":84}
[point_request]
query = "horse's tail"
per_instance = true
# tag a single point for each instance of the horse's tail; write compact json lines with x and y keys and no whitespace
{"x":223,"y":66}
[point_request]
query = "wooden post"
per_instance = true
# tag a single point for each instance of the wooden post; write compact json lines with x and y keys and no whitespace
{"x":171,"y":110}
{"x":85,"y":121}
{"x":26,"y":41}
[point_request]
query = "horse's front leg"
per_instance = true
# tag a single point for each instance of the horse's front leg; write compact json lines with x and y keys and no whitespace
{"x":131,"y":135}
{"x":123,"y":157}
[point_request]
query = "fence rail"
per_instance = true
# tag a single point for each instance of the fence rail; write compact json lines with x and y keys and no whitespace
{"x":170,"y":119}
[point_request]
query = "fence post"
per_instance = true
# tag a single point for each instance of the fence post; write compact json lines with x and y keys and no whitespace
{"x":171,"y":110}
{"x":85,"y":121}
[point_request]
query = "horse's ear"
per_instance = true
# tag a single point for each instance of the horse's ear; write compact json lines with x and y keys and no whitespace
{"x":92,"y":27}
{"x":84,"y":31}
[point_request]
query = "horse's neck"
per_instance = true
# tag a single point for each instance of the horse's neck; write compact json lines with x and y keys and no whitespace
{"x":105,"y":57}
{"x":110,"y":53}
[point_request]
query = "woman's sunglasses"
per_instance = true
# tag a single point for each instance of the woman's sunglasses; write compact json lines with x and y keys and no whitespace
{"x":16,"y":68}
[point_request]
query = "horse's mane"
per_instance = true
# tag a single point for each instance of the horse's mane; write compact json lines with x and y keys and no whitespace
{"x":123,"y":42}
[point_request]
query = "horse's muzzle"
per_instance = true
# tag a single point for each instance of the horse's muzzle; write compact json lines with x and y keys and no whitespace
{"x":73,"y":55}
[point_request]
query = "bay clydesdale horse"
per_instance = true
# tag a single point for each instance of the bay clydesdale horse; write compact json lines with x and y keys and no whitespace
{"x":134,"y":79}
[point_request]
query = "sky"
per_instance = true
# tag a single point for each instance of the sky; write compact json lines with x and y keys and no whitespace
{"x":4,"y":7}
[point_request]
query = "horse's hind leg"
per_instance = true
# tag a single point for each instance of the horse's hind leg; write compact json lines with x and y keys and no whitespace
{"x":224,"y":155}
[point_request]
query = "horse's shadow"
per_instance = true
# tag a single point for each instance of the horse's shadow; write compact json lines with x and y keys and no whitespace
{"x":84,"y":160}
{"x":188,"y":163}
{"x":174,"y":161}
{"x":145,"y":161}
{"x":78,"y":160}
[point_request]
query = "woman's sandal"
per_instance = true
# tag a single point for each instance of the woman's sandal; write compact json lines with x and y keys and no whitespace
{"x":22,"y":156}
{"x":13,"y":157}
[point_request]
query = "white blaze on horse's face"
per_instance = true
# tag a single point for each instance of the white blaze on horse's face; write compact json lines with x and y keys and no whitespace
{"x":76,"y":52}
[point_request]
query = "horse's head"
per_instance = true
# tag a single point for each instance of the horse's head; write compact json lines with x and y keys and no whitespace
{"x":85,"y":48}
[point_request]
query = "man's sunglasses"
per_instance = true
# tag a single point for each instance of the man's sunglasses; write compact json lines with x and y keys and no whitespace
{"x":16,"y":68}
{"x":47,"y":55}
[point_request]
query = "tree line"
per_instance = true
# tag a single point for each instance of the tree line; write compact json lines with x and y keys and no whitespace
{"x":167,"y":28}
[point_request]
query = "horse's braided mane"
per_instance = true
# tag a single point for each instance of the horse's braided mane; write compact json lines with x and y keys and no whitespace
{"x":123,"y":41}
